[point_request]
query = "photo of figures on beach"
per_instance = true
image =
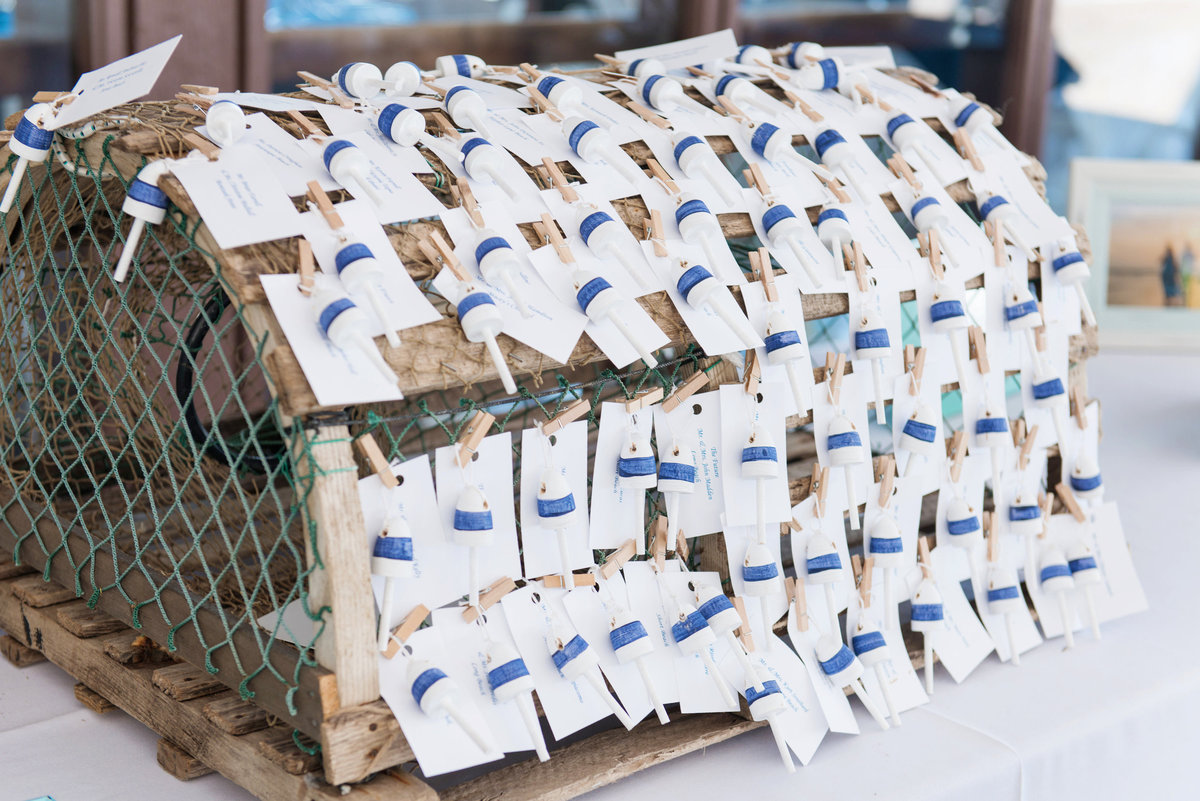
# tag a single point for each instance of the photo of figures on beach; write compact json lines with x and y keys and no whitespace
{"x":1152,"y":256}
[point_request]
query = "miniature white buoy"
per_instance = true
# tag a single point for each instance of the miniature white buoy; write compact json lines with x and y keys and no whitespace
{"x":698,"y":162}
{"x":473,"y":529}
{"x":636,"y":467}
{"x":836,"y":153}
{"x":949,"y":317}
{"x":800,"y":54}
{"x":910,"y":140}
{"x":887,"y":547}
{"x":643,"y":67}
{"x":631,"y":643}
{"x":754,"y":55}
{"x":362,"y":274}
{"x":677,"y":477}
{"x":783,"y":229}
{"x":566,"y":97}
{"x":927,"y":214}
{"x":996,"y":209}
{"x":977,"y":120}
{"x":1071,"y":269}
{"x":481,"y":322}
{"x":1004,"y":598}
{"x":145,"y":203}
{"x":344,"y":325}
{"x":1022,"y":313}
{"x":498,"y":264}
{"x":775,"y":145}
{"x":992,"y":432}
{"x":871,"y":341}
{"x":785,"y":346}
{"x":347,"y":164}
{"x":824,"y":566}
{"x":1086,"y":573}
{"x":594,"y":145}
{"x":509,"y":678}
{"x":225,"y":122}
{"x":575,"y":659}
{"x":698,"y":225}
{"x":700,"y":289}
{"x":871,"y":648}
{"x":918,"y":435}
{"x":845,"y":447}
{"x":962,"y":524}
{"x":483,"y":160}
{"x":768,"y":704}
{"x":600,"y":301}
{"x":762,"y":579}
{"x":1086,"y":481}
{"x":833,"y":229}
{"x":1024,"y":519}
{"x":666,"y":94}
{"x":30,"y":143}
{"x":391,"y":558}
{"x":724,"y":620}
{"x":437,"y":694}
{"x":401,"y":124}
{"x":843,"y":668}
{"x":556,"y":511}
{"x":821,"y":75}
{"x":760,"y":462}
{"x":610,"y":239}
{"x":467,"y":108}
{"x":1050,"y":394}
{"x":359,"y":79}
{"x":928,"y":618}
{"x":1054,"y":575}
{"x":460,"y":64}
{"x":692,"y":634}
{"x":742,"y":93}
{"x":402,"y":78}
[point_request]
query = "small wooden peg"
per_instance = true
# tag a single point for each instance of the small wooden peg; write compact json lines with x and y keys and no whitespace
{"x":658,"y":172}
{"x":835,"y":188}
{"x":923,"y":557}
{"x":887,"y":479}
{"x":194,"y":100}
{"x":371,"y":451}
{"x":1079,"y":404}
{"x":914,"y":365}
{"x":199,"y":89}
{"x":859,"y":264}
{"x":548,"y":229}
{"x":648,"y":115}
{"x":617,"y":559}
{"x":658,"y":543}
{"x":901,"y":169}
{"x":933,"y":251}
{"x":307,"y":269}
{"x":531,"y":71}
{"x":732,"y":109}
{"x":467,"y":198}
{"x":687,"y":390}
{"x":472,"y":434}
{"x":999,"y":252}
{"x":761,"y":270}
{"x":336,"y":93}
{"x":681,"y":546}
{"x":967,"y":148}
{"x":864,"y":586}
{"x":979,"y":342}
{"x":753,"y":373}
{"x":805,"y":108}
{"x":439,"y":252}
{"x":609,"y":60}
{"x":577,"y":580}
{"x":544,"y":103}
{"x":211,"y":151}
{"x":559,"y":180}
{"x":1027,"y":444}
{"x":308,"y":126}
{"x":489,"y":598}
{"x":567,"y":416}
{"x":411,"y":623}
{"x":819,"y":486}
{"x":654,"y":232}
{"x":993,"y":541}
{"x":324,"y":205}
{"x":835,"y":378}
{"x":1018,"y":431}
{"x":434,"y":88}
{"x":744,"y":631}
{"x":1068,"y":498}
{"x":958,"y":453}
{"x":644,"y":400}
{"x":800,"y":600}
{"x":754,"y":176}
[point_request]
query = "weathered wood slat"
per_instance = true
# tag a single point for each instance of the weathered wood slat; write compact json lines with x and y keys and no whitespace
{"x":179,"y":763}
{"x":18,"y":653}
{"x":85,"y":623}
{"x":235,"y":716}
{"x":93,"y":700}
{"x":36,"y":592}
{"x":183,"y":682}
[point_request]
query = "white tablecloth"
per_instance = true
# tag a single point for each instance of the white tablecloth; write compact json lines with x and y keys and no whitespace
{"x":1112,"y":719}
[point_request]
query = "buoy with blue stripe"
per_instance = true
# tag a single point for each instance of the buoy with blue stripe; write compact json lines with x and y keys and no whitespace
{"x":499,"y":265}
{"x":762,"y":579}
{"x":403,"y":125}
{"x":836,"y":153}
{"x":698,"y":162}
{"x":631,"y":643}
{"x":473,"y":529}
{"x":785,"y":346}
{"x":698,"y":225}
{"x":556,"y":510}
{"x":693,"y":635}
{"x":928,"y":618}
{"x":566,"y":97}
{"x":481,"y":322}
{"x":677,"y":477}
{"x":833,"y":229}
{"x":1025,"y":519}
{"x":772,"y":143}
{"x":886,"y":547}
{"x":345,"y":326}
{"x":1070,"y":268}
{"x":1050,"y":393}
{"x":600,"y":301}
{"x":977,"y":120}
{"x":402,"y":78}
{"x":783,"y":229}
{"x":824,"y":566}
{"x":742,"y":93}
{"x":437,"y":694}
{"x":666,"y":94}
{"x":349,"y":167}
{"x":225,"y":122}
{"x":821,"y":75}
{"x":766,"y":702}
{"x":918,"y":436}
{"x":754,"y":56}
{"x":609,"y":239}
{"x":575,"y":659}
{"x":1086,"y":481}
{"x":1004,"y":598}
{"x":842,"y":667}
{"x":145,"y":203}
{"x":461,"y":64}
{"x":1022,"y":314}
{"x":362,"y":274}
{"x":594,"y":145}
{"x":928,"y":214}
{"x":30,"y":143}
{"x":871,"y":341}
{"x":962,"y":524}
{"x":716,"y":608}
{"x":701,"y":290}
{"x":870,"y":646}
{"x":509,"y":678}
{"x":992,"y":432}
{"x":760,"y":462}
{"x":636,"y":466}
{"x":484,"y":162}
{"x":845,"y":447}
{"x":949,"y":317}
{"x":800,"y":54}
{"x":909,"y":138}
{"x":1086,"y":573}
{"x":642,"y":67}
{"x":391,"y":558}
{"x":997,"y":210}
{"x":1054,"y":577}
{"x":359,"y":79}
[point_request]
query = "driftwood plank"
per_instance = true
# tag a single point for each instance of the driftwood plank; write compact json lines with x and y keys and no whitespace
{"x":18,"y":653}
{"x":35,"y":592}
{"x":93,"y":700}
{"x":184,"y":682}
{"x":87,"y":623}
{"x":179,"y":763}
{"x":235,"y":716}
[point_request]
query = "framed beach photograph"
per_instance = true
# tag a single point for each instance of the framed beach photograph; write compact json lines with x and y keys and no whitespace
{"x":1143,"y":220}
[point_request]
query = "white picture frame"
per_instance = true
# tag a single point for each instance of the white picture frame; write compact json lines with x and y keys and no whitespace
{"x":1099,"y":188}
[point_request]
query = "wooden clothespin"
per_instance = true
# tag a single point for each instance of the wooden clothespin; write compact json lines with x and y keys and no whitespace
{"x":958,"y":453}
{"x":544,"y":103}
{"x":854,"y":257}
{"x":1068,"y":498}
{"x":437,"y":251}
{"x":644,"y":400}
{"x":978,"y":342}
{"x":993,"y":541}
{"x":567,"y":416}
{"x":687,"y":390}
{"x":865,"y":93}
{"x":761,"y":270}
{"x":324,"y":205}
{"x":461,"y":190}
{"x":754,"y":176}
{"x":190,"y":110}
{"x":732,"y":110}
{"x":617,"y":559}
{"x":795,"y":590}
{"x":433,"y":87}
{"x":819,"y":487}
{"x":489,"y":598}
{"x":648,"y":115}
{"x":471,"y":435}
{"x":555,"y":581}
{"x":923,"y":558}
{"x":932,"y":250}
{"x":887,"y":479}
{"x":658,"y":543}
{"x":308,"y":126}
{"x":1079,"y":408}
{"x":835,"y":188}
{"x":608,"y":60}
{"x":834,"y":376}
{"x":211,"y":151}
{"x":658,"y":172}
{"x":798,"y":103}
{"x":1046,"y":502}
{"x":653,"y":226}
{"x":914,"y":365}
{"x":50,"y":96}
{"x":744,"y":630}
{"x":967,"y":149}
{"x":371,"y":451}
{"x":901,"y":169}
{"x":1026,"y":443}
{"x":307,"y":269}
{"x":447,"y":128}
{"x":699,"y":73}
{"x":412,"y":621}
{"x":753,"y":373}
{"x":199,"y":89}
{"x":530,"y":70}
{"x":681,"y":547}
{"x":548,"y":230}
{"x":999,"y":251}
{"x":559,"y":180}
{"x":924,"y":85}
{"x":194,"y":99}
{"x":335,"y":92}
